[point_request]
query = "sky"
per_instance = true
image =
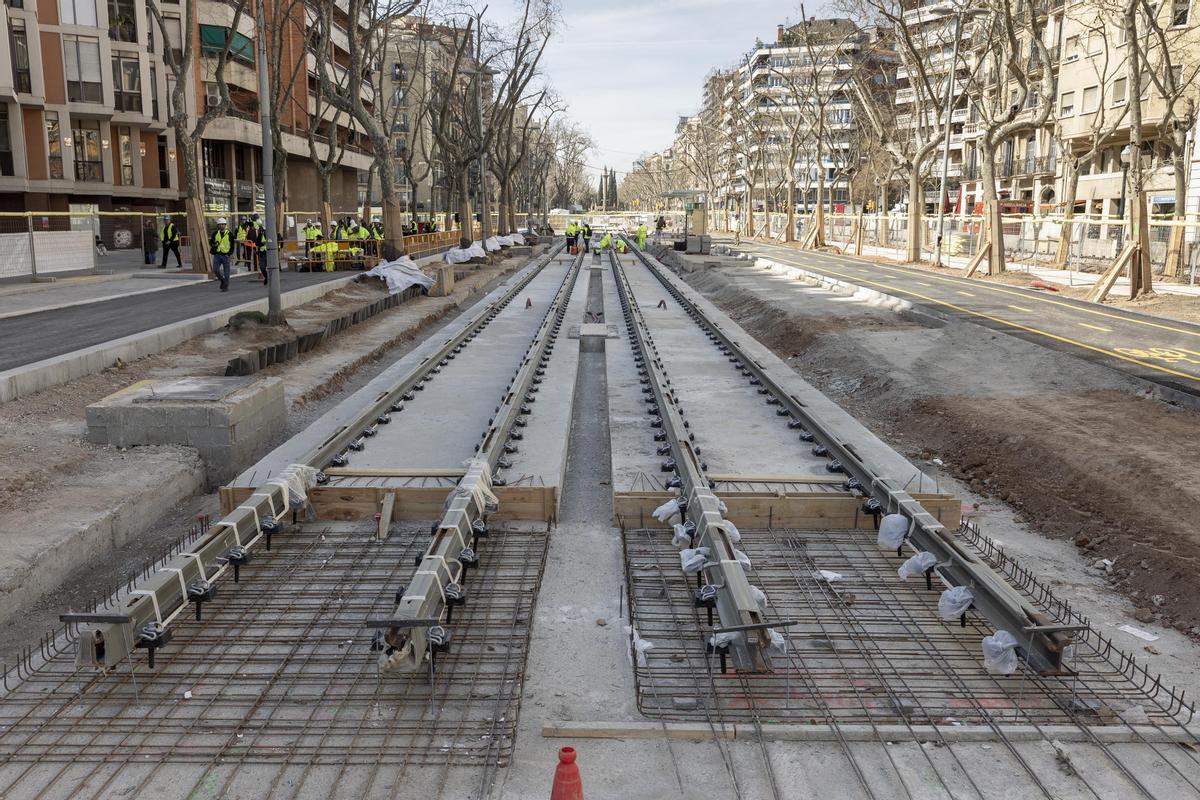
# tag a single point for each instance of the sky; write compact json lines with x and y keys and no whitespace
{"x":628,"y":69}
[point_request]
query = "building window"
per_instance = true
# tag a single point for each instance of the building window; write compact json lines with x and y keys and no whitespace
{"x":1119,"y":91}
{"x":122,"y":22}
{"x":154,"y":91}
{"x":214,"y":159}
{"x":127,"y":83}
{"x":164,"y":174}
{"x":125,"y":148}
{"x":1091,"y":97}
{"x":18,"y":41}
{"x":174,"y":50}
{"x":82,"y":57}
{"x":1180,"y":10}
{"x":77,"y":12}
{"x":1067,"y":104}
{"x":54,"y":145}
{"x":88,"y":165}
{"x":6,"y":155}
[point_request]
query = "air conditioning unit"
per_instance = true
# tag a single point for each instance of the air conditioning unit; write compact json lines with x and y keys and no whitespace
{"x":212,"y":95}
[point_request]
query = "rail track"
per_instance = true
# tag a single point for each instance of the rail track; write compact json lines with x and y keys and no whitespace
{"x":372,"y":593}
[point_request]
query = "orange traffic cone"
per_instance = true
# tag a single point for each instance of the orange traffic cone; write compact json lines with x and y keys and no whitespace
{"x":567,"y":784}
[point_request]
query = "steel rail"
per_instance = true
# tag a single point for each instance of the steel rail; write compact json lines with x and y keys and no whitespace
{"x":1042,"y":641}
{"x":735,"y":603}
{"x":408,"y":640}
{"x":142,"y":617}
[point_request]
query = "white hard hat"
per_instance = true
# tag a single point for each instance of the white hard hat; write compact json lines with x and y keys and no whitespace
{"x":221,"y":221}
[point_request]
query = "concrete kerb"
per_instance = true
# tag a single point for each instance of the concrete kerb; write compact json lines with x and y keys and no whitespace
{"x":791,"y":732}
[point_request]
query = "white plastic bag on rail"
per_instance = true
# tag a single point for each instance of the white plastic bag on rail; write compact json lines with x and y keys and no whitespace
{"x":954,"y":602}
{"x":295,"y":481}
{"x":742,"y":558}
{"x":778,"y":645}
{"x":681,"y":538}
{"x":760,"y":597}
{"x":724,"y":509}
{"x":692,"y":560}
{"x":892,"y":530}
{"x":735,"y":535}
{"x":667,"y":510}
{"x":1000,"y":653}
{"x":718,"y":640}
{"x":482,"y":492}
{"x":638,"y":646}
{"x":917,"y":565}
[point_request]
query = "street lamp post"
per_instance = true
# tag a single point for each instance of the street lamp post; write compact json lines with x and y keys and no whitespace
{"x":271,"y":245}
{"x":950,"y":79}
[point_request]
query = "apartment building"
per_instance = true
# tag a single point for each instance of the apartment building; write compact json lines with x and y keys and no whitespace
{"x":1026,"y":163}
{"x":1093,"y":104}
{"x":84,"y":88}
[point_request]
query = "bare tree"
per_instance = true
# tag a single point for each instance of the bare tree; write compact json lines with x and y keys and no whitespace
{"x":188,"y":132}
{"x":363,"y":18}
{"x":325,"y":148}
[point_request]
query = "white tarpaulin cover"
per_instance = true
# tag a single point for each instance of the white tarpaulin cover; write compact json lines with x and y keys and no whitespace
{"x":492,"y":244}
{"x":458,"y":255}
{"x":400,"y":274}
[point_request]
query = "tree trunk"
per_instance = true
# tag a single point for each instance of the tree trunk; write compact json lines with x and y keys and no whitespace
{"x":466,"y":234}
{"x":790,"y":234}
{"x":819,"y":206}
{"x":1063,"y":256}
{"x":393,"y":216}
{"x":1174,"y":262}
{"x":366,"y":207}
{"x":991,"y":209}
{"x":766,"y":207}
{"x":326,"y":203}
{"x":916,"y":205}
{"x":197,"y":230}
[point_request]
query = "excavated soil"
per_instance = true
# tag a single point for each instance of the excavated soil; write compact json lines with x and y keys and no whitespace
{"x":1076,"y":450}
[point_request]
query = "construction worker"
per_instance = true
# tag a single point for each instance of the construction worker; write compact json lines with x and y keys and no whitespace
{"x":587,"y":236}
{"x":326,"y":250}
{"x":641,"y":236}
{"x":606,"y":242}
{"x":621,"y":246}
{"x":240,"y":238}
{"x":220,"y":245}
{"x":169,"y":235}
{"x":311,"y":229}
{"x":256,"y":247}
{"x":570,"y":233}
{"x":362,"y":235}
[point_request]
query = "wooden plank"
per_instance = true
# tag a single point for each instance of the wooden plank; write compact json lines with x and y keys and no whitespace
{"x":801,"y":510}
{"x":385,"y":514}
{"x":977,"y":260}
{"x":766,"y":478}
{"x":421,"y":503}
{"x":401,"y":472}
{"x":1109,"y":278}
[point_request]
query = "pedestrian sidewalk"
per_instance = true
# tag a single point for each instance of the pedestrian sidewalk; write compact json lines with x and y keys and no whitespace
{"x":31,"y":298}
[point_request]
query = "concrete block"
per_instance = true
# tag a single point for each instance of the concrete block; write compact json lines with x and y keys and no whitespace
{"x":229,"y":421}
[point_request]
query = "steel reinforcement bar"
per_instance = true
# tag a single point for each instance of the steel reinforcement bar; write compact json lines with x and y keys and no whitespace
{"x":416,"y":630}
{"x":724,"y":578}
{"x":1042,"y":639}
{"x":142,"y":617}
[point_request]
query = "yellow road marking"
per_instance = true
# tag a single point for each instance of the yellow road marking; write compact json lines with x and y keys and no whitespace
{"x":1027,"y":328}
{"x":909,"y":272}
{"x":1093,"y":327}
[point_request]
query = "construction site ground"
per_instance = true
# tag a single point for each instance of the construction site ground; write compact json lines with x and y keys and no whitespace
{"x":81,"y":518}
{"x":1067,"y":462}
{"x":277,"y":694}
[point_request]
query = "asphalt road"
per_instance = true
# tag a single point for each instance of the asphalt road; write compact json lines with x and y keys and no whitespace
{"x":1157,"y":349}
{"x":33,"y":337}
